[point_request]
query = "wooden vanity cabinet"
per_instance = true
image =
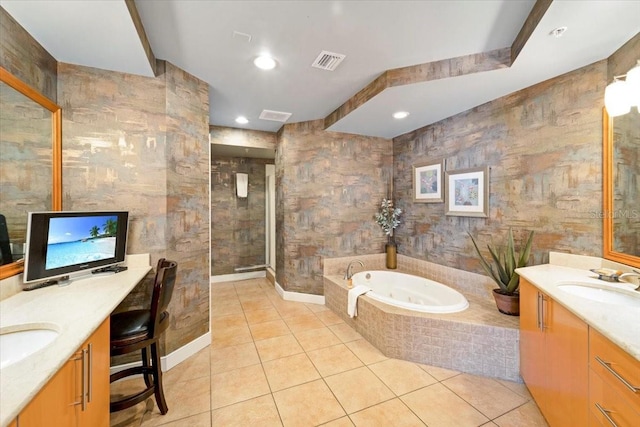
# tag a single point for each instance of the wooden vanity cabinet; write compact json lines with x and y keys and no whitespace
{"x":614,"y":384}
{"x":78,"y":394}
{"x":554,"y":346}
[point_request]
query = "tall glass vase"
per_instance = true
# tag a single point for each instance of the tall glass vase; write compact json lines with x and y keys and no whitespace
{"x":391,"y":249}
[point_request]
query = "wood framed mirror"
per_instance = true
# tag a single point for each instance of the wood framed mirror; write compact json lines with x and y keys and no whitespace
{"x":30,"y":159}
{"x":621,"y":178}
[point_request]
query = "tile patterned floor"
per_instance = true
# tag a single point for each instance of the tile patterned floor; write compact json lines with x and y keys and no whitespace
{"x":281,"y":363}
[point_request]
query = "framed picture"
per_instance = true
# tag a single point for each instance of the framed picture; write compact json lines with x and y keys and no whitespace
{"x":467,"y":192}
{"x":427,"y":182}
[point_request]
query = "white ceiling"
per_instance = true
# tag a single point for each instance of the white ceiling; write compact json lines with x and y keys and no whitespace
{"x":375,"y":36}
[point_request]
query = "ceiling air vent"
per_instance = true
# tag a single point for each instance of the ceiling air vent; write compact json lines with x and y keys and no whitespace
{"x":275,"y":116}
{"x":328,"y":60}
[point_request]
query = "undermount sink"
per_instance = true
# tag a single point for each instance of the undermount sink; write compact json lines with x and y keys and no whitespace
{"x":19,"y":342}
{"x":602,"y":293}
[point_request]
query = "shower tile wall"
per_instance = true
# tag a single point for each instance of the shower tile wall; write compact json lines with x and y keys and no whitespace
{"x":237,"y":224}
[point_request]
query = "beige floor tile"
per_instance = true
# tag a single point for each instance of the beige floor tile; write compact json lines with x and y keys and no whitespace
{"x":290,"y":371}
{"x":303,"y":322}
{"x":233,"y":357}
{"x":316,"y":338}
{"x":390,"y":413}
{"x":489,"y":424}
{"x":317,"y":308}
{"x":290,"y":308}
{"x":438,"y":373}
{"x":366,"y":352}
{"x":129,"y":417}
{"x":358,"y":389}
{"x":519,"y":388}
{"x":226,"y":308}
{"x":345,"y":332}
{"x":328,"y":317}
{"x":239,"y":385}
{"x":275,"y":348}
{"x":228,"y":321}
{"x":437,"y":406}
{"x":233,"y":335}
{"x":308,"y":404}
{"x":184,"y":399}
{"x":401,"y":376}
{"x":261,"y":412}
{"x":527,"y":415}
{"x":200,"y":420}
{"x":485,"y":394}
{"x":261,"y":303}
{"x":333,"y":360}
{"x":262,"y":315}
{"x":340,"y":422}
{"x":273,"y":328}
{"x":195,"y":366}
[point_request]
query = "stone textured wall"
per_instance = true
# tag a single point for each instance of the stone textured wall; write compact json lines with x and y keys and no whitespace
{"x":25,"y":58}
{"x":543,"y":146}
{"x":237,"y":224}
{"x":141,"y":144}
{"x":328,"y":188}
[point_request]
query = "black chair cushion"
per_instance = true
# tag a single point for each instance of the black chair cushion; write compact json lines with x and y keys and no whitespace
{"x":130,"y":325}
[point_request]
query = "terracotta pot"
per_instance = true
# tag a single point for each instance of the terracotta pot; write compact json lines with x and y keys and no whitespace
{"x":507,"y":303}
{"x":392,"y":255}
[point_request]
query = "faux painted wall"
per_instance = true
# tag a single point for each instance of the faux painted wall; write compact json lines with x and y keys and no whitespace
{"x":543,"y":146}
{"x":141,"y":144}
{"x":237,"y":224}
{"x":328,"y":188}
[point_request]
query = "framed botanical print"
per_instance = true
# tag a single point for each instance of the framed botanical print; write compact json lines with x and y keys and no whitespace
{"x":427,"y":182}
{"x":467,"y":192}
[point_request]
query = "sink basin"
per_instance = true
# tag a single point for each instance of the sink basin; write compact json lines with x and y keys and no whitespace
{"x":602,"y":293}
{"x":16,"y":343}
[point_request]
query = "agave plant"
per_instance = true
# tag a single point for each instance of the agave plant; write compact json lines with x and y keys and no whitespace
{"x":505,"y":262}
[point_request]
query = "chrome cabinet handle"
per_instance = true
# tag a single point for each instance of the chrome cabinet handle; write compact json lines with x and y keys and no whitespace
{"x":90,"y":380}
{"x":606,"y":415}
{"x":608,"y":367}
{"x":85,"y":374}
{"x":539,"y":311}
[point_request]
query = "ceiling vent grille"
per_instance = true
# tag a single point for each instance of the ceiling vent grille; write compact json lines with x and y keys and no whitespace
{"x":275,"y":116}
{"x":328,"y":60}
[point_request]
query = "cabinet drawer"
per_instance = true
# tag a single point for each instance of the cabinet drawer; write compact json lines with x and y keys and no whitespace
{"x":607,"y":359}
{"x":605,"y":401}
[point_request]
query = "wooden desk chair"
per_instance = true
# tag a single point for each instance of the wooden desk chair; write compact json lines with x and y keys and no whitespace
{"x":141,"y":330}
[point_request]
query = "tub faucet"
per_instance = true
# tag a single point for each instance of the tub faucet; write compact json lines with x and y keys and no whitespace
{"x":347,"y":275}
{"x":633,"y":274}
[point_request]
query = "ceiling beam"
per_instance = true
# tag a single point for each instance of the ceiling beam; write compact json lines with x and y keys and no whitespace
{"x":530,"y":24}
{"x":137,"y":22}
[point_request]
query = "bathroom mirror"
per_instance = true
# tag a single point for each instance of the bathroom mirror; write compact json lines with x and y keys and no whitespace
{"x":621,"y":182}
{"x":30,"y":163}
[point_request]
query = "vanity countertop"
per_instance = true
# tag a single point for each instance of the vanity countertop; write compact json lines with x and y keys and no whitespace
{"x":76,"y":310}
{"x":620,"y":324}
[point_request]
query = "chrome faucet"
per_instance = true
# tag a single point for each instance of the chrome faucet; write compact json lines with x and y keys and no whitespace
{"x":633,"y":274}
{"x":347,"y":275}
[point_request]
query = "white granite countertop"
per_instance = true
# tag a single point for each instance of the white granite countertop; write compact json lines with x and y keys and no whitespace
{"x":75,"y":311}
{"x":620,"y":324}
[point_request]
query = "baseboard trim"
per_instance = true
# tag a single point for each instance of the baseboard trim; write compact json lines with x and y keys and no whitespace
{"x":174,"y":358}
{"x":237,"y":276}
{"x":299,"y":296}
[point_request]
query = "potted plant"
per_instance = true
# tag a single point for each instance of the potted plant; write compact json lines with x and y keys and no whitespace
{"x":389,"y":218}
{"x":505,"y":260}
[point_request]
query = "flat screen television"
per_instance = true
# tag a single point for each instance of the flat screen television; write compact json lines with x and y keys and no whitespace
{"x":61,"y":244}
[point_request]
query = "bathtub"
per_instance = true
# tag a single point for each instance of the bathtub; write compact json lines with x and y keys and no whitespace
{"x":411,"y":292}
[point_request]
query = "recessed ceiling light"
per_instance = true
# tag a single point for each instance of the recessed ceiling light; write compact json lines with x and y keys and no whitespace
{"x":265,"y":62}
{"x":242,"y":120}
{"x":558,"y":32}
{"x":400,"y":115}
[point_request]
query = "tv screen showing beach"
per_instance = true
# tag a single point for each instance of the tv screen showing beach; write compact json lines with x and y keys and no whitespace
{"x":77,"y":240}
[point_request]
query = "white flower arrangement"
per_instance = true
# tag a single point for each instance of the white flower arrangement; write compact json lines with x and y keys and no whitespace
{"x":388,"y":217}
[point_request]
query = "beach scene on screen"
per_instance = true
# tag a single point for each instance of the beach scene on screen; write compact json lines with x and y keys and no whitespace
{"x":76,"y":240}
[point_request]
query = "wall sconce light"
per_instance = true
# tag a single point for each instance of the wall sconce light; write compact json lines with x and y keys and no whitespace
{"x":621,"y":95}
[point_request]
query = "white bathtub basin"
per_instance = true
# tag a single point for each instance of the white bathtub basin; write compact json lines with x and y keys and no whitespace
{"x":17,"y":343}
{"x":602,"y":293}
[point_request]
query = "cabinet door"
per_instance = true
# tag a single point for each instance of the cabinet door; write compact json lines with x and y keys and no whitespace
{"x":567,"y":367}
{"x":54,"y":405}
{"x":532,"y":345}
{"x":96,"y":412}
